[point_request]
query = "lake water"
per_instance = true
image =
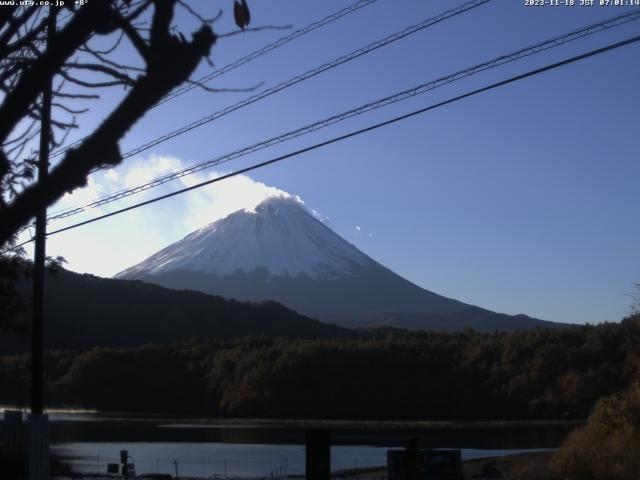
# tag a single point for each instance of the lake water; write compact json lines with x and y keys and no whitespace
{"x":208,"y":448}
{"x":231,"y":460}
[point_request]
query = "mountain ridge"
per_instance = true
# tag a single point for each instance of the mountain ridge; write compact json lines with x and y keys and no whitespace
{"x":282,"y":252}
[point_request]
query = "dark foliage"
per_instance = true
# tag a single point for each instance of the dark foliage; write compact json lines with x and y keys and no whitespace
{"x":536,"y":374}
{"x":608,"y":447}
{"x":15,"y":274}
{"x":84,"y":311}
{"x":13,"y":270}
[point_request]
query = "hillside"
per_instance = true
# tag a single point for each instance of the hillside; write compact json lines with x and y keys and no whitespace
{"x":83,"y":311}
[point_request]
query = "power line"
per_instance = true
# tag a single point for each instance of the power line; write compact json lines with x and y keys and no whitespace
{"x":248,"y":58}
{"x":305,"y":76}
{"x":420,"y":89}
{"x":292,"y":81}
{"x":267,"y":48}
{"x":311,"y":73}
{"x":376,"y":126}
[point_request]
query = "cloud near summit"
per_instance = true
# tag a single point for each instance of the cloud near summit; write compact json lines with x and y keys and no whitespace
{"x":124,"y":239}
{"x":196,"y":208}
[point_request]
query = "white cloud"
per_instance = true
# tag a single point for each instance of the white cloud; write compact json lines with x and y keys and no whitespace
{"x":112,"y":175}
{"x":81,"y":196}
{"x":131,"y":174}
{"x":109,"y":246}
{"x":146,"y":170}
{"x":216,"y":201}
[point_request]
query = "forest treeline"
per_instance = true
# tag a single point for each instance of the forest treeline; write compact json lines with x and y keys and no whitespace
{"x":535,"y":374}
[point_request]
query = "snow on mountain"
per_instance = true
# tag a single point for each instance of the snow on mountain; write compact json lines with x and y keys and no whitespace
{"x":282,"y":251}
{"x":280,"y":234}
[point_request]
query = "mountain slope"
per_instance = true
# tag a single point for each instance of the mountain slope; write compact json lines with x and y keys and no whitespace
{"x":280,"y":236}
{"x":84,"y":311}
{"x":282,"y":252}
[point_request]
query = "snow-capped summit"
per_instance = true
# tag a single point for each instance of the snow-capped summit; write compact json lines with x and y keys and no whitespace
{"x":281,"y":251}
{"x":279,"y":235}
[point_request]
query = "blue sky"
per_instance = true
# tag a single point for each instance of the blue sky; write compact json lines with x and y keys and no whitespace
{"x":520,"y":200}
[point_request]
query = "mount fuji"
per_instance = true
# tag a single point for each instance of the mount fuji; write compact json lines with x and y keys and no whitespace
{"x":280,"y":251}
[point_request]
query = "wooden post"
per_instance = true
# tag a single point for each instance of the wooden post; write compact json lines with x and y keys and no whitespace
{"x":318,"y":454}
{"x":411,"y":461}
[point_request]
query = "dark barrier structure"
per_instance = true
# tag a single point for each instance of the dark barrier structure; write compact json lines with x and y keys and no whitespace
{"x":318,"y":454}
{"x":416,"y":464}
{"x":13,"y":443}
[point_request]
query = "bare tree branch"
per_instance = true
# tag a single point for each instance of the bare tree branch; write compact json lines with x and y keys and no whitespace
{"x":195,"y":14}
{"x":254,"y":29}
{"x":32,"y":81}
{"x":122,"y":77}
{"x":225,"y":90}
{"x":33,"y":123}
{"x":65,"y":134}
{"x":135,"y":38}
{"x":14,"y":25}
{"x":83,"y":83}
{"x":5,"y":15}
{"x":82,"y":96}
{"x":170,"y":61}
{"x":109,"y":50}
{"x":105,"y":60}
{"x":68,"y":109}
{"x":138,"y":11}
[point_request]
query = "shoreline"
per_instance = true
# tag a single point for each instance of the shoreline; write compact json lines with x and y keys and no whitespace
{"x":186,"y":421}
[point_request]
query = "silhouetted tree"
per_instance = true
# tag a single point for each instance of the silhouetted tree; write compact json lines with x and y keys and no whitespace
{"x":82,"y":59}
{"x":76,"y":60}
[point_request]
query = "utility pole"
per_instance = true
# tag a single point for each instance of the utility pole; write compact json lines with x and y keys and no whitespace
{"x":38,"y":421}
